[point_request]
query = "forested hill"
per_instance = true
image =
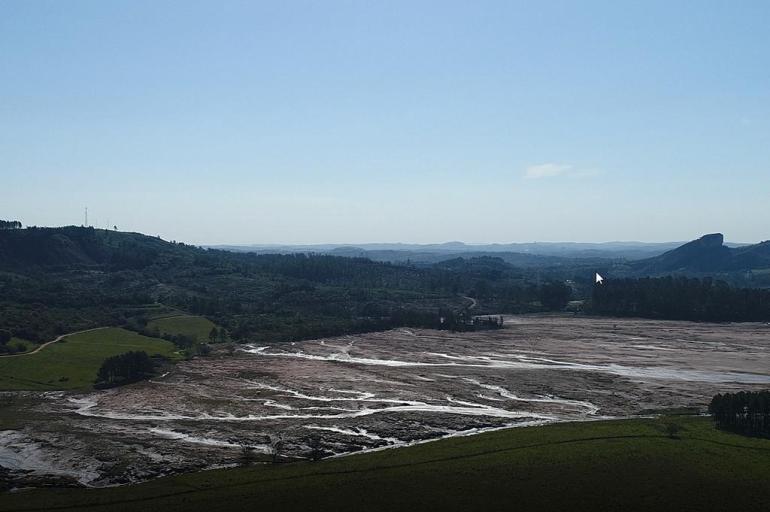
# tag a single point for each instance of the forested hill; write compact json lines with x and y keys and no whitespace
{"x":48,"y":250}
{"x":707,"y":254}
{"x":55,"y":280}
{"x":77,"y":247}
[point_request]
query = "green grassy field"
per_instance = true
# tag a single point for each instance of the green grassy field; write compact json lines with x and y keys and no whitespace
{"x":196,"y":326}
{"x":73,"y":362}
{"x":625,"y":465}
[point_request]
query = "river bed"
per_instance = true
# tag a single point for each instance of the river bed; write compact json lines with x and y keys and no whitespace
{"x":342,"y":395}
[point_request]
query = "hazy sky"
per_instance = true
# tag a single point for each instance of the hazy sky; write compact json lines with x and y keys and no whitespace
{"x":302,"y":122}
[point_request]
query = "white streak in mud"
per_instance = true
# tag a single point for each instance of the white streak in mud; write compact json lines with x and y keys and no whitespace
{"x":362,"y":396}
{"x":522,"y":362}
{"x":273,"y":403}
{"x":360,"y":432}
{"x":86,"y":407}
{"x":181,"y":436}
{"x":470,"y":408}
{"x":448,"y":435}
{"x":490,"y":398}
{"x":326,"y":408}
{"x":340,"y":357}
{"x":590,"y":408}
{"x":653,"y":347}
{"x":667,"y":373}
{"x":158,"y":380}
{"x":647,"y":372}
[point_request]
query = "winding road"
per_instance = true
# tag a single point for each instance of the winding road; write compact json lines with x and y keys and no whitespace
{"x":473,"y":303}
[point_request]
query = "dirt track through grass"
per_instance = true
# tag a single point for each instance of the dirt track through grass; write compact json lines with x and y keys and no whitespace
{"x":47,"y":343}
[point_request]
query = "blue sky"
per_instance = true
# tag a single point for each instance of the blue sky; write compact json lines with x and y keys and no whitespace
{"x":305,"y":122}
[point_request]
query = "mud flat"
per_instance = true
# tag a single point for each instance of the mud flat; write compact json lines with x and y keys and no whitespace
{"x":341,"y":395}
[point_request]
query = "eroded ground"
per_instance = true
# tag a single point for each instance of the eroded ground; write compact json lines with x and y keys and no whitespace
{"x":339,"y":395}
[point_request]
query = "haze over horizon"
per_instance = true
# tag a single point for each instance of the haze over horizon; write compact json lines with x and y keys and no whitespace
{"x":342,"y":122}
{"x":468,"y":244}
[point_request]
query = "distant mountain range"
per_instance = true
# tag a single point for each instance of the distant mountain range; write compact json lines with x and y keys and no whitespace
{"x":520,"y":254}
{"x":741,"y":263}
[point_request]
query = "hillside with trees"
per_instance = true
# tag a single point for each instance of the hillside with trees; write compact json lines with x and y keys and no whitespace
{"x":708,"y":254}
{"x":58,"y":280}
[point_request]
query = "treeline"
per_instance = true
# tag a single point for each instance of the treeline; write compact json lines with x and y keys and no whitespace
{"x":745,"y":412}
{"x":10,"y":224}
{"x":299,"y":327}
{"x":124,"y":369}
{"x":680,"y":298}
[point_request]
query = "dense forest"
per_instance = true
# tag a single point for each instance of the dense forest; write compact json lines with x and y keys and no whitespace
{"x":681,"y":298}
{"x":58,"y":280}
{"x":745,"y":412}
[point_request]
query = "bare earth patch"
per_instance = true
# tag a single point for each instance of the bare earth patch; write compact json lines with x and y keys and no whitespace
{"x":345,"y":394}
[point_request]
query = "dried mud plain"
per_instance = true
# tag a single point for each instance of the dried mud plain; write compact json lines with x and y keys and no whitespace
{"x":342,"y":395}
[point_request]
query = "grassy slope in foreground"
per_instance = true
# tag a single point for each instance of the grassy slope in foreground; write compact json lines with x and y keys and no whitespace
{"x":72,"y":363}
{"x":611,"y":465}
